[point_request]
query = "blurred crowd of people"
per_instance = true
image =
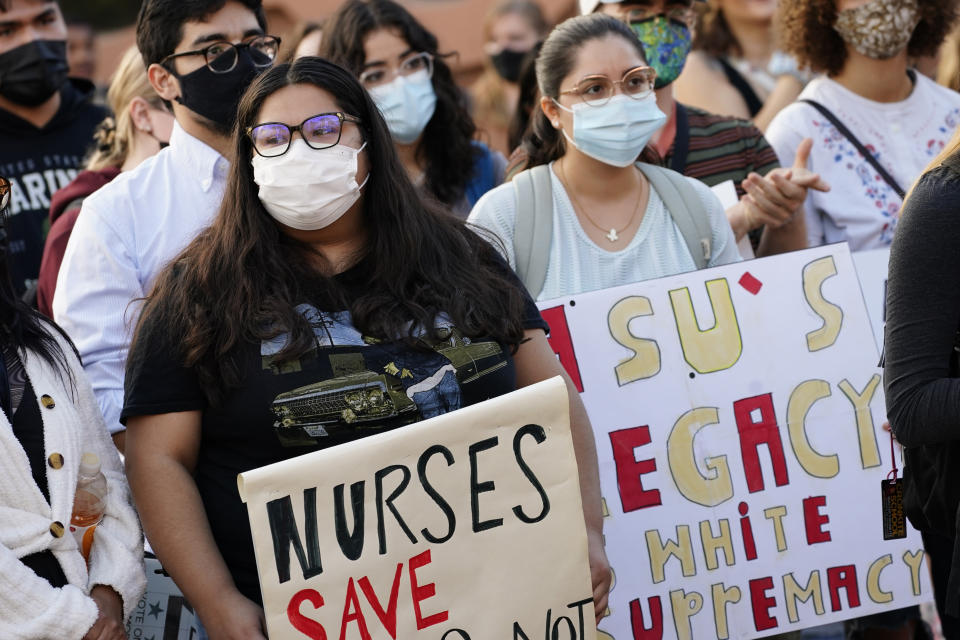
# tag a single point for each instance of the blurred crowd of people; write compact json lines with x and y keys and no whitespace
{"x":239,"y":217}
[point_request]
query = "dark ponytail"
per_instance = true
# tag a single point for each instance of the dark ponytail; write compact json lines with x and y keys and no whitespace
{"x":544,"y":144}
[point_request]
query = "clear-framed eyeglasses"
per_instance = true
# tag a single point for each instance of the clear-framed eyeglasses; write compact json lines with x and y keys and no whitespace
{"x":597,"y":90}
{"x":411,"y":65}
{"x":322,"y":131}
{"x":222,"y":57}
{"x":684,"y":14}
{"x":4,"y":193}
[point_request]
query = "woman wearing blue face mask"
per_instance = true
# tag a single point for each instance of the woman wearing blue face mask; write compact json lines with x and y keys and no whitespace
{"x":609,"y":226}
{"x":397,"y":61}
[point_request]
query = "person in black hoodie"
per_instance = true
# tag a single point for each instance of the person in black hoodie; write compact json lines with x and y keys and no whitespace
{"x":46,"y":124}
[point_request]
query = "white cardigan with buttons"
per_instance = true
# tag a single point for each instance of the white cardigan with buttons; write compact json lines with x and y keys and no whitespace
{"x":29,"y":607}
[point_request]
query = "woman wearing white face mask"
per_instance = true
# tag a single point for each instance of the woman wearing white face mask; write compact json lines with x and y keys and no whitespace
{"x":323,"y":267}
{"x":609,"y":227}
{"x":397,"y":61}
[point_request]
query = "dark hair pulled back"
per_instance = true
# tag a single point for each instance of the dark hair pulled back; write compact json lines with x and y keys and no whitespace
{"x":557,"y":58}
{"x":446,"y":143}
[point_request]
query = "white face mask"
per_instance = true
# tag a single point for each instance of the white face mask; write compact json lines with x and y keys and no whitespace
{"x":407,"y":104}
{"x":308,"y":189}
{"x":616,"y":132}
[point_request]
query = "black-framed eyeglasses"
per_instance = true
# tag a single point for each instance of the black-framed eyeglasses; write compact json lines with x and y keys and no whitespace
{"x":597,"y":90}
{"x":221,"y":57}
{"x":4,"y":193}
{"x":321,"y":131}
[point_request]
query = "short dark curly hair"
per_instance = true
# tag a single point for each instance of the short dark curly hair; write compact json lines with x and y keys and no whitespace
{"x":806,"y":31}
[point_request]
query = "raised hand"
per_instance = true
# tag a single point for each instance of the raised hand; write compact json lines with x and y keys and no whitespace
{"x":774,"y":199}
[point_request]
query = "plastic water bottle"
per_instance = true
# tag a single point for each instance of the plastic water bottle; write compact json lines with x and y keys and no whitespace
{"x":89,"y":503}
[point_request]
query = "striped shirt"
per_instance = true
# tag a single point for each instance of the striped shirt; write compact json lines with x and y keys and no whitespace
{"x":719,"y":148}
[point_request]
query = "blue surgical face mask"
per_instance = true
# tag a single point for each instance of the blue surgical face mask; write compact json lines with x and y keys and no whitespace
{"x":616,"y":132}
{"x":407,"y":104}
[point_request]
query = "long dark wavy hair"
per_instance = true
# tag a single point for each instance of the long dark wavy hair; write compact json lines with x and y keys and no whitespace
{"x":445,"y":147}
{"x":21,"y":326}
{"x":240,"y":281}
{"x":558,"y":56}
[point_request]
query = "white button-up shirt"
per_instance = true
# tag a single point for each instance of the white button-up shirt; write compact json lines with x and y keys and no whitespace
{"x":127,"y":232}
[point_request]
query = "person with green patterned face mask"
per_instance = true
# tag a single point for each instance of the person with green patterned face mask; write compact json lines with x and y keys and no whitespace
{"x":761,"y":198}
{"x":666,"y":37}
{"x":664,"y":27}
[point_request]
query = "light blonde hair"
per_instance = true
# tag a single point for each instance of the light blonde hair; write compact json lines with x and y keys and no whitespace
{"x":115,"y":134}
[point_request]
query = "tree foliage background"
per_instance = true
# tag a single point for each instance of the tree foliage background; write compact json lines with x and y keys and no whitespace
{"x":102,"y":14}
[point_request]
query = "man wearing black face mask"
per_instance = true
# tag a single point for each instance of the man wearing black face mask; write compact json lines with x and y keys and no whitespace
{"x":200,"y":56}
{"x":46,"y":124}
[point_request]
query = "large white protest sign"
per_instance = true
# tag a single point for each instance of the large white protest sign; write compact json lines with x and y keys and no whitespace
{"x":468,"y":525}
{"x":737,"y":414}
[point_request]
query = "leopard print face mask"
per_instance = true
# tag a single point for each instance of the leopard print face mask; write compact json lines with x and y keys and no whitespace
{"x":879,"y":29}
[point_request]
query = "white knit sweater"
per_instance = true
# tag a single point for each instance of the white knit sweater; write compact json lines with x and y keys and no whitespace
{"x":29,"y":607}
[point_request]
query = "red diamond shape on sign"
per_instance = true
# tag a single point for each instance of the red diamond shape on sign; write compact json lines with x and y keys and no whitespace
{"x":751,"y":284}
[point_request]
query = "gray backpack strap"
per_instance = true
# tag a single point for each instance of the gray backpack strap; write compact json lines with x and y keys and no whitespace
{"x":533,"y":227}
{"x":686,"y":208}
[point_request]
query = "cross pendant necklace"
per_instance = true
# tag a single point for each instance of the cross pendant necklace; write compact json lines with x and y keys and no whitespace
{"x":613,"y":235}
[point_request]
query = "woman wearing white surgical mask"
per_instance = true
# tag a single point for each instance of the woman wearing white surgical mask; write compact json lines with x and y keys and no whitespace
{"x":324,"y":266}
{"x":397,"y":61}
{"x":609,"y":226}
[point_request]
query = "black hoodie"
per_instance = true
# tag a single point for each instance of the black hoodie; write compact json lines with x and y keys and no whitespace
{"x":38,"y":162}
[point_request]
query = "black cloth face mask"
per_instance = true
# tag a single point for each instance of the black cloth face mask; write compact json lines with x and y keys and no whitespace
{"x":32,"y":72}
{"x":509,"y":63}
{"x":216,"y":96}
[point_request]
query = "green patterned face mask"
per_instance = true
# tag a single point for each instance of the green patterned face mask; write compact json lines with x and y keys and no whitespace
{"x":666,"y":44}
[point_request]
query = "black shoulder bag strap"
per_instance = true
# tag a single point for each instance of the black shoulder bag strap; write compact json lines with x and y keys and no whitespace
{"x":754,"y":104}
{"x":681,"y":141}
{"x":842,"y":128}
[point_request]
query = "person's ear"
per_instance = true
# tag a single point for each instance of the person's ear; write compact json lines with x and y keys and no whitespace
{"x":140,"y":115}
{"x":163,"y":82}
{"x":549,"y":108}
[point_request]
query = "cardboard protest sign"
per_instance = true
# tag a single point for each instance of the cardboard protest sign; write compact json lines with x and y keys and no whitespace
{"x":468,"y":525}
{"x":737,"y":414}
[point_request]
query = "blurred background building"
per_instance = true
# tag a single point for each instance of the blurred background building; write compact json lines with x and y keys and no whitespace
{"x":456,"y":23}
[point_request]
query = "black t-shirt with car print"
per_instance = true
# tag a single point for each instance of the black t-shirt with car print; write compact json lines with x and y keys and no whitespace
{"x":349,"y":386}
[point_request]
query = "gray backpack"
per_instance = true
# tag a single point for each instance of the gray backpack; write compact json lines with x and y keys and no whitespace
{"x":533,"y":228}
